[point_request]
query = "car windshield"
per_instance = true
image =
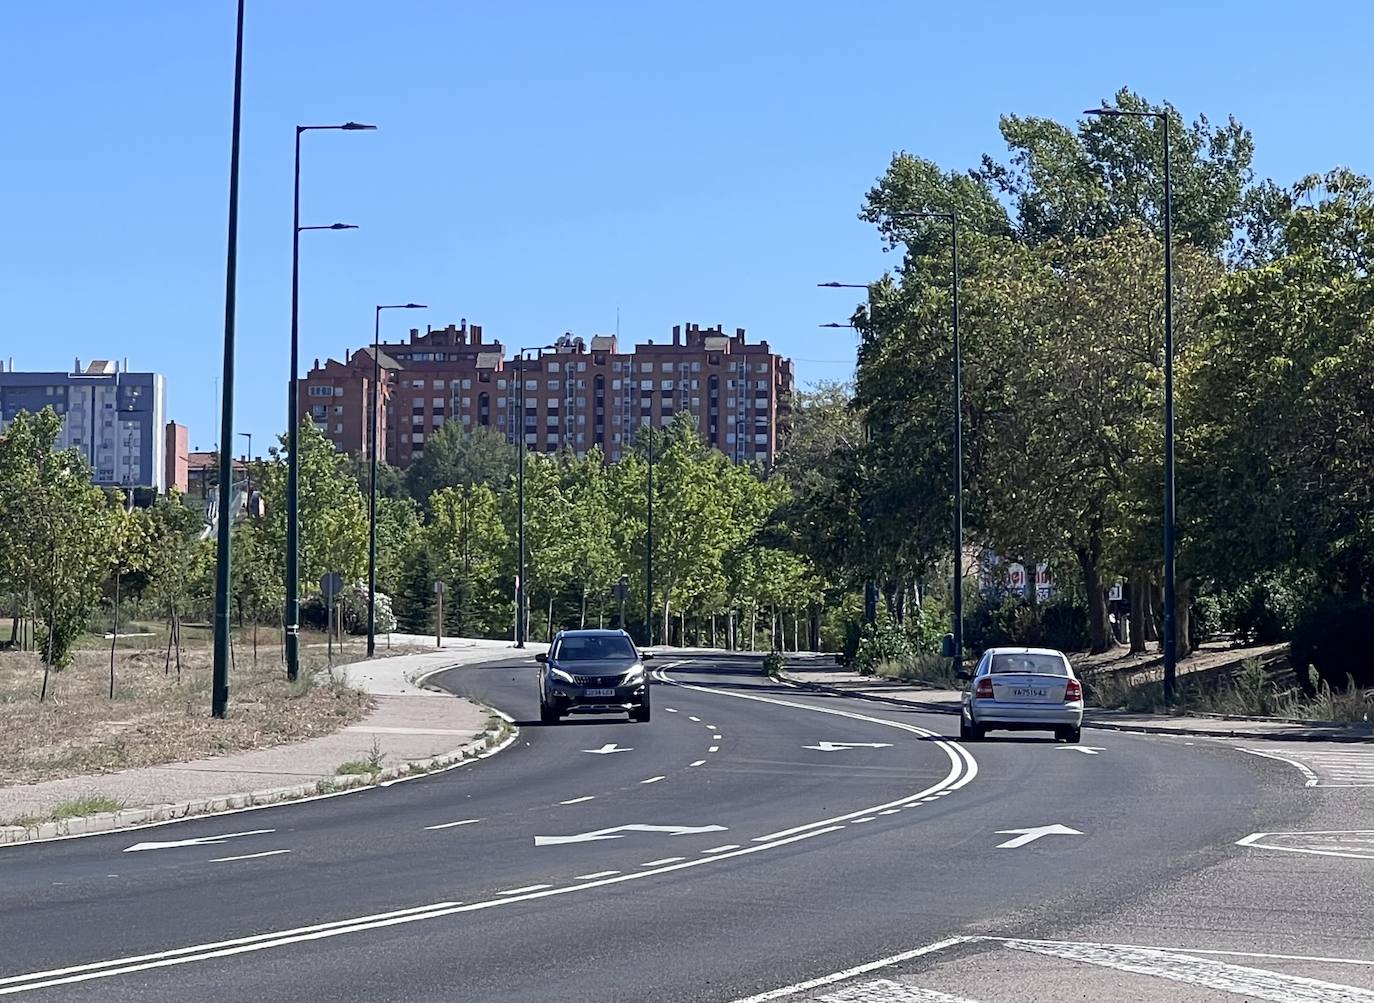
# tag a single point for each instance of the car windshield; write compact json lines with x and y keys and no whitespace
{"x":1039,"y":664}
{"x":594,"y":648}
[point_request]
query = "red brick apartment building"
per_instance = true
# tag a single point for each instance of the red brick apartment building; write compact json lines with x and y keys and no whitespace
{"x":576,"y":396}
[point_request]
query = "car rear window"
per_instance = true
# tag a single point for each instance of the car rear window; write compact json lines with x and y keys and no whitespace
{"x":594,"y":648}
{"x":1044,"y":665}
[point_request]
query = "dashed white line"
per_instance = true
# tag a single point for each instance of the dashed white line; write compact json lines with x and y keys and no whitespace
{"x":651,"y":780}
{"x":890,"y":811}
{"x":697,"y":719}
{"x":866,"y":818}
{"x":722,"y":849}
{"x":522,"y":891}
{"x":664,"y":860}
{"x":247,"y":856}
{"x":714,"y":748}
{"x":699,"y":762}
{"x":598,"y":874}
{"x":585,"y":797}
{"x":671,"y":710}
{"x":450,"y":825}
{"x":711,"y":726}
{"x":716,"y":737}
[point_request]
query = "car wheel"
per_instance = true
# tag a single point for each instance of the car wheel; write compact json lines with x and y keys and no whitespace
{"x":640,"y":714}
{"x":975,"y":733}
{"x":1069,"y":735}
{"x":547,"y":715}
{"x":964,"y":731}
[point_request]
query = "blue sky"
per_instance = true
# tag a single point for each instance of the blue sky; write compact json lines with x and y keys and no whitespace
{"x":540,"y":165}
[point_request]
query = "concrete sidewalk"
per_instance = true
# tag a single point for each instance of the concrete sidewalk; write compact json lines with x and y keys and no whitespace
{"x":410,"y":730}
{"x":828,"y":678}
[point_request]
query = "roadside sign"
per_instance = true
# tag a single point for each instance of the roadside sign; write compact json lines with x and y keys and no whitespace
{"x":331,"y":584}
{"x":438,"y":588}
{"x":622,"y":589}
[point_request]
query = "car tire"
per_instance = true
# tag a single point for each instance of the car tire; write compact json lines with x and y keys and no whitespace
{"x":640,"y":713}
{"x":547,"y":715}
{"x":972,"y":732}
{"x":1069,"y":735}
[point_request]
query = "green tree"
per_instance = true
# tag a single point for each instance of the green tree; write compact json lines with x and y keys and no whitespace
{"x":466,"y":541}
{"x":455,"y":455}
{"x":594,"y":565}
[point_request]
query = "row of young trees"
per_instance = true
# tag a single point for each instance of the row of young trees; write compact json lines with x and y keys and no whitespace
{"x":1062,"y":321}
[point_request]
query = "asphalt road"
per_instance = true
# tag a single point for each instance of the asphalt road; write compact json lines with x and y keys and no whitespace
{"x":752,"y":841}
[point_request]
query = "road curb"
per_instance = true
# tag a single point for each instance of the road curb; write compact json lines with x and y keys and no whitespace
{"x":1139,"y":729}
{"x":490,"y":742}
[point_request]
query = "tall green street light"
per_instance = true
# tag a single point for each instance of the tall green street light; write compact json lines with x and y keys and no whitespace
{"x":219,"y":683}
{"x":870,"y":588}
{"x":1170,"y":543}
{"x":520,"y":626}
{"x":293,"y":470}
{"x":372,"y":477}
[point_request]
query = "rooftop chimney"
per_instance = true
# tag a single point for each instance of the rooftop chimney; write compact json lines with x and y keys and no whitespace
{"x":126,"y":364}
{"x":463,"y":323}
{"x":76,"y":365}
{"x":347,"y":356}
{"x":677,"y":336}
{"x":476,"y":333}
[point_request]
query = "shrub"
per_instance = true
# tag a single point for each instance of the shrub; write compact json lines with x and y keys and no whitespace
{"x":772,"y":663}
{"x":1331,"y":638}
{"x":1204,"y":618}
{"x":1266,"y":610}
{"x":997,"y":618}
{"x":882,"y":642}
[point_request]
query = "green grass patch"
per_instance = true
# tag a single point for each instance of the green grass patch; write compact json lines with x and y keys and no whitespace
{"x":91,"y":804}
{"x":354,"y":767}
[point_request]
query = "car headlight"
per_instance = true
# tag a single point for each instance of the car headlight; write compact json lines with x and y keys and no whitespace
{"x":561,"y":676}
{"x":634,"y":677}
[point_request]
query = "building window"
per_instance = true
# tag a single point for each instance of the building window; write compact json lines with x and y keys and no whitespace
{"x":438,"y":384}
{"x":338,"y":409}
{"x":338,"y":427}
{"x":437,"y":403}
{"x":667,"y":367}
{"x":417,"y":436}
{"x":419,"y":384}
{"x":417,"y":419}
{"x":501,"y":402}
{"x":582,"y":367}
{"x":553,"y":384}
{"x":500,"y":384}
{"x":646,"y":367}
{"x":665,"y":385}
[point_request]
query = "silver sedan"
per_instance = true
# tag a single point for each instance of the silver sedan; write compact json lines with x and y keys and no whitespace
{"x":1022,"y":689}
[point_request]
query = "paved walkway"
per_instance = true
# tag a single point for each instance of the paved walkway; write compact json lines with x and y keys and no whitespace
{"x":410,"y":727}
{"x":819,"y":675}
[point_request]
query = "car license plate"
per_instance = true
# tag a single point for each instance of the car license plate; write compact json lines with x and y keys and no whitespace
{"x":1029,"y":693}
{"x":600,"y":693}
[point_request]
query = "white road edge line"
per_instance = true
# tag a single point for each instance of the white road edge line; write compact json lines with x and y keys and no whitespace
{"x":451,"y":825}
{"x":1312,"y":778}
{"x":585,"y":797}
{"x":1196,"y":950}
{"x":261,"y":942}
{"x":849,"y":973}
{"x":699,"y":762}
{"x":247,"y":856}
{"x":671,"y":710}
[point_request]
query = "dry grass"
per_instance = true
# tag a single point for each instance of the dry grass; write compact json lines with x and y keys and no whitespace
{"x":155,"y":718}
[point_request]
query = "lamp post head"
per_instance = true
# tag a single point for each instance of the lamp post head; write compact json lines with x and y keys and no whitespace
{"x":343,"y":226}
{"x":415,"y":306}
{"x":834,"y":324}
{"x":355,"y":126}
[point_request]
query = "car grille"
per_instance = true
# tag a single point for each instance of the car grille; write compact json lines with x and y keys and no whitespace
{"x":598,"y":682}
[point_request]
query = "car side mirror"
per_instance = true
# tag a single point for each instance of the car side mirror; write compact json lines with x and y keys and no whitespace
{"x":541,"y":657}
{"x":963,"y":676}
{"x":646,"y":656}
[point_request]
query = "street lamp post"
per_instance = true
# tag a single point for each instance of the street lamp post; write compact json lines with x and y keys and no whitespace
{"x":649,"y":552}
{"x":870,"y":587}
{"x":1170,"y":543}
{"x":247,"y":459}
{"x":293,"y":470}
{"x":219,"y":683}
{"x":372,"y":476}
{"x":520,"y":495}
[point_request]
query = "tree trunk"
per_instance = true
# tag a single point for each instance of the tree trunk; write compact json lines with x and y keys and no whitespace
{"x":753,"y":624}
{"x":548,"y":634}
{"x":730,"y":630}
{"x":1183,"y":617}
{"x":255,"y":641}
{"x":582,"y":624}
{"x":114,"y":634}
{"x":171,"y":637}
{"x":14,"y":622}
{"x":1156,"y":621}
{"x":1139,"y":608}
{"x":1099,"y":632}
{"x":713,"y":630}
{"x":682,"y":630}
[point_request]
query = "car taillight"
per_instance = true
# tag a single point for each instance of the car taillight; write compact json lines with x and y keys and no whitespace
{"x":1073,"y":691}
{"x":983,"y":691}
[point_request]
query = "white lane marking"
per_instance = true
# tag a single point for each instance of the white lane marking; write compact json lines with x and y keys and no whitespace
{"x":699,"y":762}
{"x":890,"y":811}
{"x":713,"y":728}
{"x":1259,"y":840}
{"x":584,"y":797}
{"x":262,"y":942}
{"x":652,"y":780}
{"x":247,"y":856}
{"x":671,"y":710}
{"x":664,"y":860}
{"x":1210,"y":951}
{"x":1311,"y":777}
{"x":887,"y":991}
{"x":615,"y":831}
{"x":594,"y":876}
{"x":525,"y":890}
{"x":845,"y":746}
{"x":716,"y":737}
{"x":607,"y":749}
{"x":1024,"y":836}
{"x":451,"y":825}
{"x":722,"y":849}
{"x":866,"y":818}
{"x":1254,"y":983}
{"x":699,"y":719}
{"x":849,"y":973}
{"x":195,"y":841}
{"x":963,"y":767}
{"x":714,"y":748}
{"x":1087,"y":750}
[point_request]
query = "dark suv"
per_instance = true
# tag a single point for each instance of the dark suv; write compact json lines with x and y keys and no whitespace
{"x":593,"y":672}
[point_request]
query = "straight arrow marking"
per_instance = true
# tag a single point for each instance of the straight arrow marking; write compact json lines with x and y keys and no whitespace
{"x":196,"y":841}
{"x":1087,"y":750}
{"x":842,"y":746}
{"x":1024,"y":836}
{"x":607,"y":749}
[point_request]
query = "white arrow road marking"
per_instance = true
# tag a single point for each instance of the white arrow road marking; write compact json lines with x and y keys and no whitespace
{"x":615,"y":833}
{"x":197,"y":841}
{"x":842,"y":746}
{"x":1087,"y":750}
{"x":1024,"y":836}
{"x":607,"y":749}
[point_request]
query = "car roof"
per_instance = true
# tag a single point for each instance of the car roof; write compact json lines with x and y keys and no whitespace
{"x":1025,"y":651}
{"x":593,"y":632}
